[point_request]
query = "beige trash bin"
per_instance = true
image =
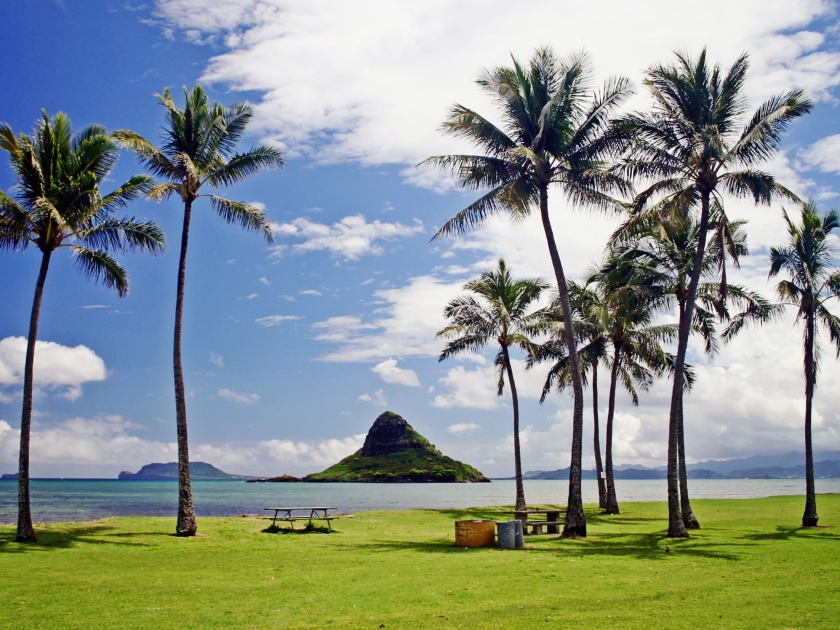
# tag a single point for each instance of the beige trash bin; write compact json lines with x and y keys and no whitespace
{"x":475,"y":533}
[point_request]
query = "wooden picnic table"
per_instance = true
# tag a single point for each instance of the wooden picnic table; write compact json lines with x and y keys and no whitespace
{"x":551,"y":522}
{"x":317,"y":513}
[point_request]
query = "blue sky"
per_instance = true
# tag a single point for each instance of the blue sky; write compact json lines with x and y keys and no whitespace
{"x":354,"y":100}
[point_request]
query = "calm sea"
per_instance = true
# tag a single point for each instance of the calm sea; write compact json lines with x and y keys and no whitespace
{"x":83,"y":500}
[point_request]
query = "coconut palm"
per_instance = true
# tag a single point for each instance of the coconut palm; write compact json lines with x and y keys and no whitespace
{"x":812,"y":281}
{"x":663,"y":251}
{"x":554,"y":132}
{"x":694,"y":146}
{"x":57,"y":204}
{"x":199,"y":147}
{"x":499,"y":315}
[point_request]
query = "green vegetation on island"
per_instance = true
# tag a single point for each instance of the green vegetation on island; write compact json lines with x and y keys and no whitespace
{"x":395,"y":452}
{"x":751,"y":567}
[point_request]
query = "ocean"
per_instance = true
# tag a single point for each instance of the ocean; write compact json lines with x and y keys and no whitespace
{"x":55,"y":500}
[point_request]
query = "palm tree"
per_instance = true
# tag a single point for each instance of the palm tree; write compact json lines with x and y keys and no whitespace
{"x":663,"y":251}
{"x":56,"y":204}
{"x":691,"y":148}
{"x":199,"y":147}
{"x":626,"y":306}
{"x":555,"y":132}
{"x":499,"y":315}
{"x":806,"y":259}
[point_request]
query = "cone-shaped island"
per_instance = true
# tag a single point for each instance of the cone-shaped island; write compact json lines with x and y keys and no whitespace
{"x":394,"y":452}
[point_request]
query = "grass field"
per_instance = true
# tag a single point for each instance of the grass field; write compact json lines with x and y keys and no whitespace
{"x":750,"y":567}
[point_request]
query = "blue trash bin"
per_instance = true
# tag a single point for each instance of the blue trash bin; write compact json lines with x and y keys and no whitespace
{"x":507,"y":534}
{"x":520,"y":534}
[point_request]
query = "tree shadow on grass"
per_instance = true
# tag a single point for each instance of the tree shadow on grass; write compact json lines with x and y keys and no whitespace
{"x":64,"y":537}
{"x":794,"y":533}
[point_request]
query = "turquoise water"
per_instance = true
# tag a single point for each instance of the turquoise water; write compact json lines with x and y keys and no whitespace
{"x":82,"y":500}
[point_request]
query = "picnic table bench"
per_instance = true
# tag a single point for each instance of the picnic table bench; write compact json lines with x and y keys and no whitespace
{"x":315,"y":514}
{"x":551,"y":523}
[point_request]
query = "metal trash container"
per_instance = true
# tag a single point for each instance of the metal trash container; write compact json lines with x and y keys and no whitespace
{"x":507,"y":534}
{"x":520,"y":534}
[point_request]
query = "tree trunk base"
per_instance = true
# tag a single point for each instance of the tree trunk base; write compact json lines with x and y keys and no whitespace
{"x":611,"y":509}
{"x":186,"y":533}
{"x":26,"y":537}
{"x":809,"y":521}
{"x":567,"y":534}
{"x":690,"y":521}
{"x":677,"y":532}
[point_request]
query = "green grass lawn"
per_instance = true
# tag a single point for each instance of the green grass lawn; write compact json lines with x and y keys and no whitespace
{"x":750,"y":567}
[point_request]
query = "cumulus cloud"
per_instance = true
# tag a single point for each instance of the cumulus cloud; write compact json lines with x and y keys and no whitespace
{"x":270,"y":321}
{"x":390,"y":373}
{"x":823,"y":155}
{"x":106,"y":445}
{"x":404,"y":326}
{"x":314,"y":292}
{"x":462,"y":427}
{"x":240,"y":397}
{"x":349,"y":239}
{"x":332,"y":106}
{"x":377,"y":399}
{"x":265,"y":281}
{"x":217,"y":359}
{"x":57,"y":367}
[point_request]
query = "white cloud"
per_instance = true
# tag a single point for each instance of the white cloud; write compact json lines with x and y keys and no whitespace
{"x":310,"y":292}
{"x":471,"y":389}
{"x":106,"y":445}
{"x":96,"y":306}
{"x":390,"y":373}
{"x":265,"y":281}
{"x":252,"y":296}
{"x":275,"y":320}
{"x":217,"y":359}
{"x":377,"y":399}
{"x":349,"y":239}
{"x":462,"y":427}
{"x":823,"y":155}
{"x":240,"y":397}
{"x":56,"y":366}
{"x":405,"y":326}
{"x":332,"y":106}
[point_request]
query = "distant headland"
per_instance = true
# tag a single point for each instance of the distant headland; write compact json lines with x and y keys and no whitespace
{"x":169,"y":472}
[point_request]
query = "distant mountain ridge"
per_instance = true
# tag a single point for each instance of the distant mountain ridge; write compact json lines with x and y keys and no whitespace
{"x":826,"y":469}
{"x":169,"y":472}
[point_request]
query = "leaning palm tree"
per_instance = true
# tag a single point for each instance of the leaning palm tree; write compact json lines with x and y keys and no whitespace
{"x":57,"y":204}
{"x":554,"y":132}
{"x":663,"y":251}
{"x":694,"y":146}
{"x":812,"y":281}
{"x":199,"y":147}
{"x":500,"y":315}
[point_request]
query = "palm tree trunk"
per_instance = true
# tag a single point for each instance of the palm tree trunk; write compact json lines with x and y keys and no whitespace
{"x":676,"y":527}
{"x":599,"y":467}
{"x":517,"y":457}
{"x":25,"y":531}
{"x":809,"y":518}
{"x":612,"y":501}
{"x":688,"y":517}
{"x":575,"y":525}
{"x":186,"y":525}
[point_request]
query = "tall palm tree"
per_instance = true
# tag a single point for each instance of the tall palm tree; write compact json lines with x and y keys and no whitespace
{"x":663,"y":251}
{"x":56,"y":204}
{"x":500,"y":315}
{"x":555,"y":132}
{"x":199,"y":147}
{"x":626,"y":306}
{"x":812,"y":281}
{"x":694,"y":146}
